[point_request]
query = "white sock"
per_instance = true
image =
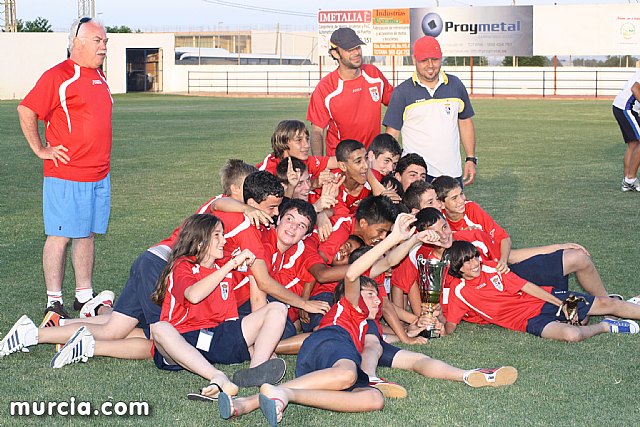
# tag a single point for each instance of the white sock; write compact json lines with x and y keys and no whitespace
{"x":629,"y":180}
{"x":84,"y":294}
{"x":54,"y":296}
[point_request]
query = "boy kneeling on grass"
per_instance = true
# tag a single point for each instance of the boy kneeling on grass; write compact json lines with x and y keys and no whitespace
{"x":504,"y":299}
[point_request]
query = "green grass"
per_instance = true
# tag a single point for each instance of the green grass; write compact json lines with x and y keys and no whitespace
{"x":549,"y":172}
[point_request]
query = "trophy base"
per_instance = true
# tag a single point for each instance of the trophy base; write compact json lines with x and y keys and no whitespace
{"x":430,"y":334}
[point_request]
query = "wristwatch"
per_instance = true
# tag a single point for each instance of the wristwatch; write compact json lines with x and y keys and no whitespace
{"x":473,"y":159}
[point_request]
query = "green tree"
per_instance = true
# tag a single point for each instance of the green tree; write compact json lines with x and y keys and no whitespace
{"x":528,"y":61}
{"x":38,"y":25}
{"x":119,"y":29}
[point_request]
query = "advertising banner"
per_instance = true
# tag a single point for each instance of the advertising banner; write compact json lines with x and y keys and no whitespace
{"x":477,"y":31}
{"x":391,"y":32}
{"x":358,"y":20}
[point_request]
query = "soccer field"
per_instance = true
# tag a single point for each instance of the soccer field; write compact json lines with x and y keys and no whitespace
{"x":549,"y":171}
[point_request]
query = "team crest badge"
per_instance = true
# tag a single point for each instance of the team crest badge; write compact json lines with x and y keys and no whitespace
{"x":224,"y":290}
{"x":497,"y":283}
{"x":447,"y":109}
{"x":375,"y":94}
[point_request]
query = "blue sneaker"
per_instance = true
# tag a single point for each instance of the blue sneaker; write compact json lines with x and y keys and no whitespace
{"x":622,"y":326}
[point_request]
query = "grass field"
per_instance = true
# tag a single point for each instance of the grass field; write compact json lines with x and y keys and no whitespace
{"x":549,"y":171}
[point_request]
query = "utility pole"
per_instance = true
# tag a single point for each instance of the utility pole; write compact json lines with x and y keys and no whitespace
{"x":10,"y":22}
{"x":86,"y":8}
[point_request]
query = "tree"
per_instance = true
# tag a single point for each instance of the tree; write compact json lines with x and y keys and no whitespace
{"x":528,"y":61}
{"x":120,"y":29}
{"x":38,"y":25}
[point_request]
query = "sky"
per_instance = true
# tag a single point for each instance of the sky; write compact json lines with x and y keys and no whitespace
{"x":196,"y":15}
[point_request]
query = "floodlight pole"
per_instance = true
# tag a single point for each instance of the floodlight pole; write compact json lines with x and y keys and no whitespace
{"x":10,"y":22}
{"x":86,"y":8}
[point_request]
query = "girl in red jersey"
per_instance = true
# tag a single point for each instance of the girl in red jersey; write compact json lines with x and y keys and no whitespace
{"x":199,"y":322}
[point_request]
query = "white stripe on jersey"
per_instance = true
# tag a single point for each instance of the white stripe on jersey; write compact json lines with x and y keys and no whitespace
{"x":340,"y":221}
{"x":361,"y":328}
{"x":206,"y":208}
{"x":374,"y":80}
{"x":295,"y":256}
{"x":62,"y":92}
{"x":459,"y":295}
{"x":339,"y":311}
{"x":240,"y":228}
{"x":242,"y":283}
{"x":263,"y":166}
{"x":291,"y":283}
{"x":327,"y":101}
{"x":105,"y":82}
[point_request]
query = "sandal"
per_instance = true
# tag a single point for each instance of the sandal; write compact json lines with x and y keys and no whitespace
{"x":225,"y":407}
{"x":204,"y":398}
{"x":270,"y":409}
{"x":272,"y":371}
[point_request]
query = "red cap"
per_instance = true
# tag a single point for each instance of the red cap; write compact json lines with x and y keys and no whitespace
{"x":427,"y":47}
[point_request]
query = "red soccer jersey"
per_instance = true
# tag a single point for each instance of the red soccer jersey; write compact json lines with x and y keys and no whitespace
{"x":219,"y":306}
{"x":497,"y":298}
{"x":350,"y":108}
{"x":315,"y":164}
{"x":342,"y":229}
{"x":347,"y":203}
{"x":346,"y":316}
{"x":240,"y":235}
{"x":476,"y":217}
{"x":76,"y":105}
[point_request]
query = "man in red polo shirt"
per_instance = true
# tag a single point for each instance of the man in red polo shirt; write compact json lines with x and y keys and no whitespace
{"x":74,"y":101}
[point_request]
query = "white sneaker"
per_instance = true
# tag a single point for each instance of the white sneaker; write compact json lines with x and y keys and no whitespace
{"x":634,"y":300}
{"x":79,"y":348}
{"x":24,"y":333}
{"x":103,"y":299}
{"x":494,"y":377}
{"x":634,"y":186}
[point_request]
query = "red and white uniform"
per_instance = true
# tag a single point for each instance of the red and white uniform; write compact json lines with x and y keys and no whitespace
{"x":315,"y":164}
{"x":240,"y":235}
{"x":342,"y":229}
{"x":406,"y":274}
{"x":476,"y":217}
{"x":219,"y":306}
{"x":347,"y":203}
{"x":346,"y":316}
{"x":497,"y":298}
{"x":350,"y":108}
{"x":76,"y":105}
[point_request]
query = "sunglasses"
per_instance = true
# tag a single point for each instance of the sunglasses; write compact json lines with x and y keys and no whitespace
{"x":82,"y":21}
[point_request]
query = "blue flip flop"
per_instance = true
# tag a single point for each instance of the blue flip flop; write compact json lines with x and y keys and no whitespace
{"x":272,"y":371}
{"x":269,"y":409}
{"x":224,"y":405}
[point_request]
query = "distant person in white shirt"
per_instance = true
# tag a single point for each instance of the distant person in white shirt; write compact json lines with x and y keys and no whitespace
{"x":626,"y":109}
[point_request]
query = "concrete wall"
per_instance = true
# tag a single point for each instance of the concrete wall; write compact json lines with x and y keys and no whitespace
{"x":26,"y":56}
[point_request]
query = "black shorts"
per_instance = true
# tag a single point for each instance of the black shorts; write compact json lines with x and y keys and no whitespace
{"x":388,"y":351}
{"x":629,"y":123}
{"x":223,"y":344}
{"x":135,"y":300}
{"x":324,"y":348}
{"x":543,"y":270}
{"x":535,"y":325}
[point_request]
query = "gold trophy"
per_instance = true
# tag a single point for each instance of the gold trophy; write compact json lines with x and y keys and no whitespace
{"x":430,"y":280}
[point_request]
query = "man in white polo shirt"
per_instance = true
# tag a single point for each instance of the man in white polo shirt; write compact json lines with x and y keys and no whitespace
{"x":433,"y":112}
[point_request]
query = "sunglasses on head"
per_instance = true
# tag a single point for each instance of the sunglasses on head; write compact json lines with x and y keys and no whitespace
{"x":82,"y":21}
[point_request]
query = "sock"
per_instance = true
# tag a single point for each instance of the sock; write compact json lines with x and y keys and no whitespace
{"x":54,"y":296}
{"x":84,"y":294}
{"x":629,"y":180}
{"x":62,"y":321}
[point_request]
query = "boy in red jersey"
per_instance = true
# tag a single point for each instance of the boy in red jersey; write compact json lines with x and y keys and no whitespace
{"x":511,"y":302}
{"x":410,"y":168}
{"x":291,"y":139}
{"x":419,"y":195}
{"x":383,"y":154}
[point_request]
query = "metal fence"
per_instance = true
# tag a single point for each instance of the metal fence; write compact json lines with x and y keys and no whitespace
{"x":491,"y":81}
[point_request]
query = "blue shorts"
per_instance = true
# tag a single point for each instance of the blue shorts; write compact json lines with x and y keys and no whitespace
{"x":388,"y":351}
{"x":535,"y":325}
{"x":629,"y":124}
{"x":227,"y":345}
{"x":543,"y":270}
{"x":76,"y":209}
{"x":315,"y":318}
{"x":245,"y":309}
{"x":323,"y":348}
{"x":134,"y":300}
